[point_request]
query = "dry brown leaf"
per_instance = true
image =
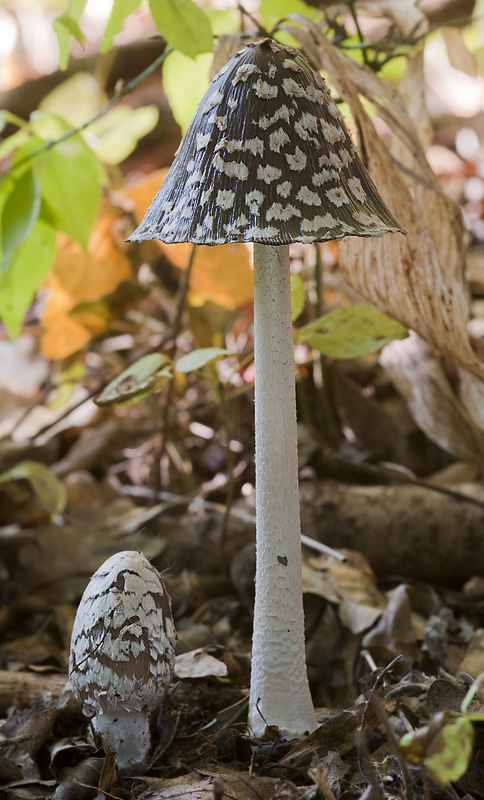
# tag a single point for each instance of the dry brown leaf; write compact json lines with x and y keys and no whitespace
{"x":459,"y":56}
{"x":350,"y":584}
{"x":471,"y":392}
{"x":225,"y":45}
{"x":222,"y":275}
{"x":238,"y":785}
{"x":420,"y":378}
{"x":417,"y":279}
{"x":473,"y":661}
{"x":410,"y":19}
{"x":395,"y":631}
{"x":411,"y":88}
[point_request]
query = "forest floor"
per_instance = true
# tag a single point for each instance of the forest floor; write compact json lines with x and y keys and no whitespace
{"x":388,"y":655}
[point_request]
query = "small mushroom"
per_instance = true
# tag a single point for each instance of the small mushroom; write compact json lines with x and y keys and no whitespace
{"x":122,"y":653}
{"x":268,"y":159}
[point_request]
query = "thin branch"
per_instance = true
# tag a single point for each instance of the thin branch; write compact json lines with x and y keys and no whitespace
{"x":393,"y":742}
{"x":109,"y":105}
{"x":351,"y":6}
{"x":167,"y":408}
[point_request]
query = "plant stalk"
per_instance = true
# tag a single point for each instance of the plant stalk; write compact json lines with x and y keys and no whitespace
{"x":279,"y":693}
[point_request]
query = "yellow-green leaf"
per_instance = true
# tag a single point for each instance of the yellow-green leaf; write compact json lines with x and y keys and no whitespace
{"x":66,"y":26}
{"x":142,"y":378}
{"x":119,"y":11}
{"x":351,"y":332}
{"x":199,"y":358}
{"x":184,"y":25}
{"x":451,"y":751}
{"x":70,"y":181}
{"x":48,"y":489}
{"x":118,"y":132}
{"x":194,"y":76}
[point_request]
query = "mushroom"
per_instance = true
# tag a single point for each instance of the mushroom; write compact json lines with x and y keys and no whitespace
{"x":268,"y":159}
{"x":122,"y":653}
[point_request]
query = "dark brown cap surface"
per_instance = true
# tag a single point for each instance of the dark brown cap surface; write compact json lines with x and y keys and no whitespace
{"x":267,"y":158}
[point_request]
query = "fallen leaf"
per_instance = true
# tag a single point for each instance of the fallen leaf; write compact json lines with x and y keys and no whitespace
{"x":222,"y":275}
{"x":420,"y":378}
{"x":199,"y":664}
{"x":77,"y":281}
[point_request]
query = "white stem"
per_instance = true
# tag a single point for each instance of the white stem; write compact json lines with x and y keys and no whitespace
{"x":279,"y":686}
{"x":128,"y":733}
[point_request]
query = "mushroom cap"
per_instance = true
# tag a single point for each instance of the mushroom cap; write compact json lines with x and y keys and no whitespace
{"x":122,"y":644}
{"x":267,"y":158}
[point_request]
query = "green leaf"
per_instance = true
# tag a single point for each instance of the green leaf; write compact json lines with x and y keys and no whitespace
{"x":70,"y":182}
{"x":142,"y":378}
{"x":66,"y":26}
{"x":199,"y":358}
{"x":451,"y":751}
{"x":120,"y":10}
{"x":297,"y":296}
{"x":28,"y":266}
{"x":74,"y":100}
{"x":48,"y":489}
{"x":184,"y":26}
{"x":272,"y":11}
{"x":351,"y":332}
{"x":12,"y":142}
{"x":20,"y":212}
{"x":194,"y":76}
{"x":118,"y":132}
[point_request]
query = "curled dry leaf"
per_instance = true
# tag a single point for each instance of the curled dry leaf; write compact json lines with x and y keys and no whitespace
{"x":410,"y":19}
{"x":419,"y":279}
{"x":420,"y":378}
{"x":459,"y":56}
{"x":471,"y":391}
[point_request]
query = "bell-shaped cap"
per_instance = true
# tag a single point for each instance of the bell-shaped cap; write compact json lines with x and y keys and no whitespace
{"x":267,"y":158}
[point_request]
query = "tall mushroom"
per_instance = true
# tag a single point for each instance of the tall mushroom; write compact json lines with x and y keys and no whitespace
{"x":268,"y":159}
{"x":122,"y":653}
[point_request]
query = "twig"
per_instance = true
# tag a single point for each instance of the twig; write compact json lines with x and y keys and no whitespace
{"x":386,"y":472}
{"x":392,"y":740}
{"x":378,"y":682}
{"x":167,"y":408}
{"x":351,"y":6}
{"x":261,"y":31}
{"x":371,"y":774}
{"x":109,"y":105}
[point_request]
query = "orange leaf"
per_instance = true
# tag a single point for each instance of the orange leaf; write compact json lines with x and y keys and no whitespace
{"x":64,"y":337}
{"x":78,"y":278}
{"x":220,"y":274}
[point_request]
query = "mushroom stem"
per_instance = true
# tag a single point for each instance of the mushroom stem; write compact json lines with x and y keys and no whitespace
{"x":128,"y":733}
{"x":279,"y":693}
